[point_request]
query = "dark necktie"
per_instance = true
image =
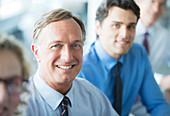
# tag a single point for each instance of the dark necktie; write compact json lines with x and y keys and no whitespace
{"x":64,"y":104}
{"x":145,"y":42}
{"x":117,"y":89}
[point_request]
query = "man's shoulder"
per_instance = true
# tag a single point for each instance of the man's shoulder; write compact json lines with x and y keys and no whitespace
{"x":34,"y":98}
{"x":30,"y":81}
{"x":159,"y":31}
{"x":137,"y":53}
{"x":85,"y":84}
{"x":90,"y":55}
{"x":90,"y":52}
{"x":158,"y":26}
{"x":137,"y":48}
{"x":92,"y":94}
{"x":86,"y":87}
{"x":31,"y":87}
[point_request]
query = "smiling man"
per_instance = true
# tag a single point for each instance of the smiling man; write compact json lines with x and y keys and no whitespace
{"x":58,"y":47}
{"x":118,"y":67}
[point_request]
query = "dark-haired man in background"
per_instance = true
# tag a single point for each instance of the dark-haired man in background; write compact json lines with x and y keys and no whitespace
{"x":118,"y":67}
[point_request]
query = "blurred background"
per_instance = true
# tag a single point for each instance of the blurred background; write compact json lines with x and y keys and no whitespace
{"x":17,"y":17}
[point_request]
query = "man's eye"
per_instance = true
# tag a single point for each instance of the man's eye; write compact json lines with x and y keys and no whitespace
{"x":75,"y":45}
{"x":55,"y":46}
{"x":116,"y":25}
{"x":131,"y":27}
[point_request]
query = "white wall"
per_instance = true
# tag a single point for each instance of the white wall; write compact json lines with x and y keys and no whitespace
{"x":92,"y":7}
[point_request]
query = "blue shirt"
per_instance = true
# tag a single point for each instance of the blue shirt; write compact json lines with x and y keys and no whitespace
{"x":136,"y":75}
{"x":86,"y":99}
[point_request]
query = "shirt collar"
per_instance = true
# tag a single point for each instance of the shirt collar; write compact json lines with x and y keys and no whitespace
{"x":50,"y":95}
{"x":140,"y":28}
{"x":107,"y":60}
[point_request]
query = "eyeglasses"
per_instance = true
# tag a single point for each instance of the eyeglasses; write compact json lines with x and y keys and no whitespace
{"x":13,"y":84}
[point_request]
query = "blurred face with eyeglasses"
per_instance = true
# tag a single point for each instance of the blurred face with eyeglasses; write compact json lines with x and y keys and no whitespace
{"x":10,"y":82}
{"x":151,"y":10}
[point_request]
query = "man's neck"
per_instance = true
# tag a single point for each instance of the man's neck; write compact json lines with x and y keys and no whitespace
{"x":146,"y":24}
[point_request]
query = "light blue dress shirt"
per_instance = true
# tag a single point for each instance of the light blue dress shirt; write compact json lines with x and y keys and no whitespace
{"x":86,"y":99}
{"x":136,"y":74}
{"x":159,"y":48}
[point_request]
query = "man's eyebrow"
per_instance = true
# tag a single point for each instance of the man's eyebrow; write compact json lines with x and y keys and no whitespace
{"x":132,"y":23}
{"x":58,"y":41}
{"x":117,"y":22}
{"x":77,"y":41}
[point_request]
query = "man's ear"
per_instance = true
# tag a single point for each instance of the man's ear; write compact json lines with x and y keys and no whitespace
{"x":98,"y":26}
{"x":36,"y":52}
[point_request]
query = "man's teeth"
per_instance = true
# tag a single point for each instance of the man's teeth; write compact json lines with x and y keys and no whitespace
{"x":121,"y":42}
{"x":64,"y":67}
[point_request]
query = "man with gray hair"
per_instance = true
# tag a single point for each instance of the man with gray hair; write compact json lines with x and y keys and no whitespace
{"x":58,"y":47}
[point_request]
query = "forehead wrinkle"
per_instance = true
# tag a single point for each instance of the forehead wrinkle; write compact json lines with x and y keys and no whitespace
{"x":61,"y":29}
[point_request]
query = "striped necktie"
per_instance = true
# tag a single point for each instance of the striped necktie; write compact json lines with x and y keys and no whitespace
{"x":117,"y":89}
{"x":145,"y":42}
{"x":64,"y":105}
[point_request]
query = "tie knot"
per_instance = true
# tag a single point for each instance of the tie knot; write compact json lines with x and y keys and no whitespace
{"x":146,"y":33}
{"x":65,"y":101}
{"x":117,"y":67}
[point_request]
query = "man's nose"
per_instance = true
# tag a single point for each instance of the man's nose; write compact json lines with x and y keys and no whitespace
{"x":123,"y":32}
{"x":156,"y":7}
{"x":66,"y":54}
